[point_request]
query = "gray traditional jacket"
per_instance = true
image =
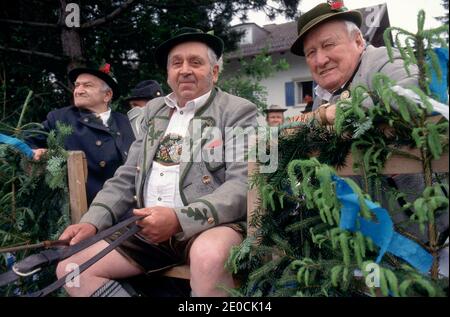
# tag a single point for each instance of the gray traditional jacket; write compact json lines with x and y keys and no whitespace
{"x":213,"y":192}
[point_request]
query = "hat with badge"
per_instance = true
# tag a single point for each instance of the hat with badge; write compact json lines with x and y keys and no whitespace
{"x":103,"y":72}
{"x":319,"y":14}
{"x":275,"y":108}
{"x":187,"y":34}
{"x":146,"y":90}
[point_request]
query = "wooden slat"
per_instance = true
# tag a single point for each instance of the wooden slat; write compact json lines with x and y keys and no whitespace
{"x":398,"y":164}
{"x":77,"y":176}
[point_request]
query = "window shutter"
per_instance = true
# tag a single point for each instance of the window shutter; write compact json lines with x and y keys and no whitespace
{"x":289,"y":93}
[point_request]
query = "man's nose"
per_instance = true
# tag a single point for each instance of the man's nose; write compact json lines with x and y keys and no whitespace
{"x":321,"y":58}
{"x":185,"y":69}
{"x":78,"y":90}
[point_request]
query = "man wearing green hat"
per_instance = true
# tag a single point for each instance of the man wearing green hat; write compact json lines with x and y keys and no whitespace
{"x":337,"y":55}
{"x":194,"y":209}
{"x":330,"y":40}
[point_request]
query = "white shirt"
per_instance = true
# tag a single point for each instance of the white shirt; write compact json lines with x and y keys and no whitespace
{"x":322,"y":93}
{"x":105,"y":116}
{"x":162,"y":186}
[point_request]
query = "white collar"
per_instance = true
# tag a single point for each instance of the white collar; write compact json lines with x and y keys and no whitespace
{"x":324,"y":94}
{"x":191,"y":104}
{"x":105,"y":116}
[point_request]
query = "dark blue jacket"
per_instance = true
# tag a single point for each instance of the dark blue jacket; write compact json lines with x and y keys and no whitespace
{"x":106,"y":148}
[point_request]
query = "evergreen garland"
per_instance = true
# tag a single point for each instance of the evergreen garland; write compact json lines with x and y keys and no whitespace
{"x":34,"y":201}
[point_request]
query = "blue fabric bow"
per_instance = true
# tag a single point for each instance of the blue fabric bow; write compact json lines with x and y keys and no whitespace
{"x":381,"y":232}
{"x":439,"y":88}
{"x":17,"y":144}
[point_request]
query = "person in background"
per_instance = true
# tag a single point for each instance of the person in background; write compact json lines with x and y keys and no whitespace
{"x":309,"y":103}
{"x":141,"y":94}
{"x":275,"y":115}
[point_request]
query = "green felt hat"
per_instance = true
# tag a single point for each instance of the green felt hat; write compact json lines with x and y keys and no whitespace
{"x":319,"y":14}
{"x":186,"y":34}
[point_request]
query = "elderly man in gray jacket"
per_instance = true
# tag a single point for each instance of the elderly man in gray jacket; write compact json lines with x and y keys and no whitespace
{"x":194,"y":210}
{"x":336,"y":53}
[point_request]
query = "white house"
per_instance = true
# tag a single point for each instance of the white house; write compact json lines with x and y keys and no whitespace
{"x":289,"y":87}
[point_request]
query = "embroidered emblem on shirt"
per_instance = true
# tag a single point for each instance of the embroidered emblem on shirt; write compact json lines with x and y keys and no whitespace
{"x":170,"y":149}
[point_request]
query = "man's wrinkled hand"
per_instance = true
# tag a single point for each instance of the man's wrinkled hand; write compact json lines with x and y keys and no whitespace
{"x":78,"y":232}
{"x":38,"y":153}
{"x":159,"y":224}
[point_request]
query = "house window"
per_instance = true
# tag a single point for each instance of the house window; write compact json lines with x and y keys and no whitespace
{"x":246,"y":37}
{"x":303,"y":88}
{"x":289,"y":93}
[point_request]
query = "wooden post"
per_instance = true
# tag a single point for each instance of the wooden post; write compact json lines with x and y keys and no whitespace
{"x":77,"y":175}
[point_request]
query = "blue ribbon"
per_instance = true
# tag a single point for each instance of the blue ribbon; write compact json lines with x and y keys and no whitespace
{"x":438,"y":87}
{"x":17,"y":144}
{"x":382,"y":231}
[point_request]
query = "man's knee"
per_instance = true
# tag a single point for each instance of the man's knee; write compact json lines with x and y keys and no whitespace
{"x":207,"y":259}
{"x":204,"y":258}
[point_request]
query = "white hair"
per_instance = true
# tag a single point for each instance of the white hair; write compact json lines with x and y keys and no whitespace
{"x":105,"y":87}
{"x":213,"y":60}
{"x":353,"y":30}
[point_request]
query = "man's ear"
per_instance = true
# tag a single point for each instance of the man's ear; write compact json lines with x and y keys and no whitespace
{"x":108,"y":96}
{"x":215,"y":73}
{"x":360,"y":42}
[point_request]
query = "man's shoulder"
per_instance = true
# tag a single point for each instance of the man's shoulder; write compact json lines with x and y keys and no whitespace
{"x":232,"y":101}
{"x":62,"y":113}
{"x":379,"y":54}
{"x":153,"y":106}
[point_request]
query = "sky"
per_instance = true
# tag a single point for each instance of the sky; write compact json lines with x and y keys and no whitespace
{"x":402,"y":13}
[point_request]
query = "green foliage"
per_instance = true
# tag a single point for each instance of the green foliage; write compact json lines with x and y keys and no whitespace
{"x":34,"y":203}
{"x":245,"y":82}
{"x":127,"y":40}
{"x":415,"y":47}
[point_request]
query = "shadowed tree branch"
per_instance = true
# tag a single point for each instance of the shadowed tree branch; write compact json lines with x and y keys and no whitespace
{"x":108,"y":17}
{"x":29,"y":23}
{"x":29,"y":52}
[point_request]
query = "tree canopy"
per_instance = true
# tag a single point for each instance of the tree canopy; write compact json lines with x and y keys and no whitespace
{"x":37,"y":48}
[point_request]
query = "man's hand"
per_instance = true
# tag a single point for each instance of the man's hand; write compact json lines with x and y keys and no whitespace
{"x":38,"y":153}
{"x":160,"y":224}
{"x":331,"y":114}
{"x":78,"y":232}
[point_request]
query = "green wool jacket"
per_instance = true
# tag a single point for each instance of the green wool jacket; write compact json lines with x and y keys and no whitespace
{"x":213,"y":191}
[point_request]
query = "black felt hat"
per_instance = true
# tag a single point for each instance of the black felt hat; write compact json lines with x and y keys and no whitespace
{"x":103,"y":72}
{"x":147,"y":90}
{"x":187,"y":35}
{"x":319,"y":14}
